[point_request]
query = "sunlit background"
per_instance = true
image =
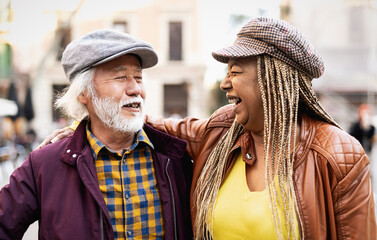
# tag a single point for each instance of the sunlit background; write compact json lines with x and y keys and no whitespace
{"x":33,"y":35}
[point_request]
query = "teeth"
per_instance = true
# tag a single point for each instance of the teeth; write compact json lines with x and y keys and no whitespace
{"x":234,"y":100}
{"x":133,"y":105}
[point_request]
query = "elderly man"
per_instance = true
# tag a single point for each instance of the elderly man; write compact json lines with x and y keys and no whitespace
{"x":113,"y":178}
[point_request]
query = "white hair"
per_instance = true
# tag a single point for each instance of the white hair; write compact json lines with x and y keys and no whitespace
{"x":68,"y":101}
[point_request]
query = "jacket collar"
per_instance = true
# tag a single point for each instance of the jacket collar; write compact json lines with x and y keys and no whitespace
{"x":171,"y":146}
{"x":166,"y":144}
{"x":77,"y":143}
{"x":306,"y":138}
{"x":246,"y":143}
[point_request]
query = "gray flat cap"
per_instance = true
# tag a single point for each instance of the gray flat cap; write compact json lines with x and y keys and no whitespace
{"x":278,"y":39}
{"x":101,"y":46}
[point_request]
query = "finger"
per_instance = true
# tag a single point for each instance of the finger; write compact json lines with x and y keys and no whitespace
{"x":43,"y":143}
{"x":49,"y":138}
{"x":62,"y":135}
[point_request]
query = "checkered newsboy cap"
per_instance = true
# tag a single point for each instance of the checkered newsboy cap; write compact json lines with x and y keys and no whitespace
{"x":278,"y":39}
{"x":101,"y":46}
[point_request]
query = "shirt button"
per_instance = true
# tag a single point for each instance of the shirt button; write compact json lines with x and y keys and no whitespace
{"x":127,"y":196}
{"x":249,"y":156}
{"x":129,"y":233}
{"x":69,"y":150}
{"x":74,"y":155}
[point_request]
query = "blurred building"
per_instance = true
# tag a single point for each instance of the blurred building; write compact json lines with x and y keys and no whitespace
{"x":345,"y":33}
{"x":35,"y":33}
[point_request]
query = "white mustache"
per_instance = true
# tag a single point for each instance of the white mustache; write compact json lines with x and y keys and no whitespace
{"x":137,"y":99}
{"x":109,"y":111}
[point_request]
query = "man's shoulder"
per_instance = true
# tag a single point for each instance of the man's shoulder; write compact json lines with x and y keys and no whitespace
{"x":51,"y":152}
{"x":165,"y":143}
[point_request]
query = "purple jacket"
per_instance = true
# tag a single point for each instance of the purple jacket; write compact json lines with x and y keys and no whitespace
{"x":57,"y":185}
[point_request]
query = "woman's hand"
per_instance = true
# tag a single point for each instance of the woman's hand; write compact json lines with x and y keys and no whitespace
{"x":56,"y":135}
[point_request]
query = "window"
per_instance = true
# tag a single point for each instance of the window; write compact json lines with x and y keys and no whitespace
{"x":64,"y":33}
{"x":175,"y":41}
{"x":175,"y":100}
{"x":121,"y":26}
{"x":5,"y":61}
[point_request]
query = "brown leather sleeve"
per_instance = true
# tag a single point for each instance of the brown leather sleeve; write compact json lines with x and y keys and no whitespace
{"x":188,"y":129}
{"x":201,"y":134}
{"x":354,"y":203}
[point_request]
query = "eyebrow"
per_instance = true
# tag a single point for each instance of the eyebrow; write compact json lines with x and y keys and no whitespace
{"x":235,"y":63}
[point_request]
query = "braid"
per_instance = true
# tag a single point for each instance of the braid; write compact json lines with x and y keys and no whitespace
{"x":283,"y":83}
{"x":289,"y":87}
{"x":209,"y":182}
{"x":308,"y":97}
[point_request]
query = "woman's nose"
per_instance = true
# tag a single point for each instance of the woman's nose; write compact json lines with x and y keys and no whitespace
{"x":225,"y":83}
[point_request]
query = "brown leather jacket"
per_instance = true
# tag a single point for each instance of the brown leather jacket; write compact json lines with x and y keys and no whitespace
{"x":331,"y":172}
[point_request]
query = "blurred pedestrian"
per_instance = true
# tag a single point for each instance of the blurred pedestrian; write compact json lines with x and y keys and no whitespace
{"x":113,"y":178}
{"x":363,"y":129}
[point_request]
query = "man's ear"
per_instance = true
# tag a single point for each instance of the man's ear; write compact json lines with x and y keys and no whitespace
{"x":83,"y":98}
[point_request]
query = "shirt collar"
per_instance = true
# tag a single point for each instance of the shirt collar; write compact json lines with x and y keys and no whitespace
{"x":97,"y":145}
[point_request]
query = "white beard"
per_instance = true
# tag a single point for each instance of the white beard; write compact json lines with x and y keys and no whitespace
{"x":109,"y":112}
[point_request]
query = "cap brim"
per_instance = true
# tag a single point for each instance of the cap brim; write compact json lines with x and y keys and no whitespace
{"x":235,"y":51}
{"x":148,"y":57}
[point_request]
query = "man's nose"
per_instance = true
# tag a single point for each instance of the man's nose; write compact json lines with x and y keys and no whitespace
{"x":133,"y":88}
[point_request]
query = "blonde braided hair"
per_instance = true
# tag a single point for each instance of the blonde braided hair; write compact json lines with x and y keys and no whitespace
{"x":283,"y":90}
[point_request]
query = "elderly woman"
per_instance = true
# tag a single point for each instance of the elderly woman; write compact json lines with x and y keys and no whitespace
{"x":274,"y":164}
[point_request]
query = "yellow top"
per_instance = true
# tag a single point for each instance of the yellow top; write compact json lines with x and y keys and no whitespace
{"x":241,"y":214}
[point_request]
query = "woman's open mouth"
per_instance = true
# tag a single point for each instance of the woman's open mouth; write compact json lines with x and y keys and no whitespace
{"x":234,"y":100}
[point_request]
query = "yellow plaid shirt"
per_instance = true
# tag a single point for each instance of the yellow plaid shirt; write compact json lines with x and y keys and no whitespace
{"x":128,"y":185}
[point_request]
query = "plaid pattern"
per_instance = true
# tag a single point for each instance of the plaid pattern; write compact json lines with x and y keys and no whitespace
{"x":128,"y":185}
{"x":276,"y":38}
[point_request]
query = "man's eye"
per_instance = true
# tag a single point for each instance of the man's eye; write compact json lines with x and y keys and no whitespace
{"x":121,"y":78}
